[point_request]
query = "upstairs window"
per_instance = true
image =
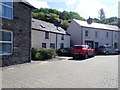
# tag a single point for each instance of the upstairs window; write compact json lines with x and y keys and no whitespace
{"x":86,"y":33}
{"x":6,"y":9}
{"x":62,"y":37}
{"x":96,"y":34}
{"x":115,"y":36}
{"x":46,"y":35}
{"x":6,"y":42}
{"x":107,"y":34}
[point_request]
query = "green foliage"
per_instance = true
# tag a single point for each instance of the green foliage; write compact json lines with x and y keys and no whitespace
{"x":101,"y":14}
{"x":65,"y":17}
{"x":111,"y":21}
{"x":54,"y":16}
{"x":38,"y":56}
{"x":33,"y":52}
{"x":65,"y":24}
{"x":43,"y":54}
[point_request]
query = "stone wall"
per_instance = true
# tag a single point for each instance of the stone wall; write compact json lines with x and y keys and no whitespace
{"x":21,"y":28}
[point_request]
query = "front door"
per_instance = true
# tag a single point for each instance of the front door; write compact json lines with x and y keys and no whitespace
{"x":96,"y":46}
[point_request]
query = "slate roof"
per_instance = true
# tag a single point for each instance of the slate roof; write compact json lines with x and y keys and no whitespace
{"x":46,"y":26}
{"x":97,"y":25}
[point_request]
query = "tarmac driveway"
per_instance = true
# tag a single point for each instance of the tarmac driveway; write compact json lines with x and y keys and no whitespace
{"x":97,"y":72}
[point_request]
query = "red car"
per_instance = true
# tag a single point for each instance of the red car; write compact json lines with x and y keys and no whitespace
{"x":82,"y":50}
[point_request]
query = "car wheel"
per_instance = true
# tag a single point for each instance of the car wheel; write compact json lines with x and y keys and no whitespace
{"x":107,"y":53}
{"x":86,"y":56}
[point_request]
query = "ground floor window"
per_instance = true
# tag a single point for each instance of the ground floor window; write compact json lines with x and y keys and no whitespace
{"x":6,"y":42}
{"x":43,"y":45}
{"x":116,"y":45}
{"x":62,"y":45}
{"x":52,"y":45}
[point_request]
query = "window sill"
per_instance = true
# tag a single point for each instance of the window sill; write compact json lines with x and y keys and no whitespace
{"x":6,"y":54}
{"x":7,"y":18}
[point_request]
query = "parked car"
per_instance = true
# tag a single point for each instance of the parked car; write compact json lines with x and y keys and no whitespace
{"x":64,"y":52}
{"x":107,"y":49}
{"x":82,"y":51}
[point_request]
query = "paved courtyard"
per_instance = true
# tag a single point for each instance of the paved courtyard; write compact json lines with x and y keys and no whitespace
{"x":98,"y":72}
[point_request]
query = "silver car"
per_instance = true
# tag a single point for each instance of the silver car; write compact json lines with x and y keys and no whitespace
{"x":107,"y":49}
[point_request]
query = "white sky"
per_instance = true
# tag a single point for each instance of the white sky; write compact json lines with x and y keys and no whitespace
{"x":85,"y":8}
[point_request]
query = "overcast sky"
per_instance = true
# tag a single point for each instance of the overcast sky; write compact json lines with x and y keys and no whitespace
{"x":85,"y":8}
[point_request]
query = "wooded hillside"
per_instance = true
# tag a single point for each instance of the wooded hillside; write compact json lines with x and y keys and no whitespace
{"x":64,"y":18}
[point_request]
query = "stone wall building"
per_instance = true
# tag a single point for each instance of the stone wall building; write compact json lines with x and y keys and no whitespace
{"x":15,"y":32}
{"x":47,"y":35}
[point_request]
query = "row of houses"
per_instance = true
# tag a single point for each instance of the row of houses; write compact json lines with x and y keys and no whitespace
{"x":19,"y":33}
{"x":47,"y":35}
{"x":93,"y":34}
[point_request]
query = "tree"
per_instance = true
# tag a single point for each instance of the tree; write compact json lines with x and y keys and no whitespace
{"x":65,"y":24}
{"x":101,"y":15}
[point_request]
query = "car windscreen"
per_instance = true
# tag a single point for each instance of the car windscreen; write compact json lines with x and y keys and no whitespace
{"x":77,"y":47}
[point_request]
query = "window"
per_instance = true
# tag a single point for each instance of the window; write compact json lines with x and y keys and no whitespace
{"x":6,"y":42}
{"x":116,"y":45}
{"x":96,"y":34}
{"x":86,"y":32}
{"x":46,"y":35}
{"x":6,"y":9}
{"x":107,"y":34}
{"x":62,"y":37}
{"x":43,"y":45}
{"x":52,"y":45}
{"x":62,"y":45}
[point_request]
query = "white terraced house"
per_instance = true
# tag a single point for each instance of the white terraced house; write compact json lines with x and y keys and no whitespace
{"x":47,"y":35}
{"x":93,"y":34}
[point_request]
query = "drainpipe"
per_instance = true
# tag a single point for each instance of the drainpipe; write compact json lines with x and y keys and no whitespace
{"x":56,"y":40}
{"x":112,"y":39}
{"x":82,"y":35}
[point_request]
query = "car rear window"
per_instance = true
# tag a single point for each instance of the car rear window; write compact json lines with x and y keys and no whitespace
{"x":77,"y":47}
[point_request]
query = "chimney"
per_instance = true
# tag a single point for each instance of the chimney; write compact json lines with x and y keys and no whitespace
{"x":89,"y":20}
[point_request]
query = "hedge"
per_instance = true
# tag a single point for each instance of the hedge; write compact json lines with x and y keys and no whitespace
{"x":43,"y":54}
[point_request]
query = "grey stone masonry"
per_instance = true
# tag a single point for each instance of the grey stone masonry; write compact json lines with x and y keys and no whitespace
{"x":20,"y":25}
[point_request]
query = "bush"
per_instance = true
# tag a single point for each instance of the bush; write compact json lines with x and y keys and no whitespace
{"x":43,"y":54}
{"x":33,"y":53}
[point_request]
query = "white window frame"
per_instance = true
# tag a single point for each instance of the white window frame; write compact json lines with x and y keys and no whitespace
{"x":8,"y":7}
{"x":11,"y":42}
